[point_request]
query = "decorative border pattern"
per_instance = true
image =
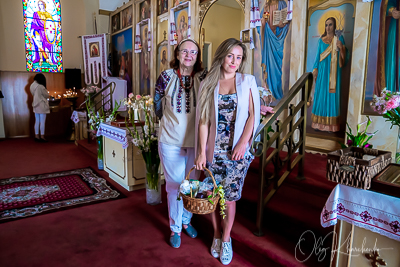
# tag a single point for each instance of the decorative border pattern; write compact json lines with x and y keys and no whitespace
{"x":364,"y":209}
{"x":98,"y":184}
{"x":116,"y":134}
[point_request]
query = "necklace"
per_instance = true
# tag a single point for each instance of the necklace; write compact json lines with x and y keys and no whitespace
{"x":186,"y":81}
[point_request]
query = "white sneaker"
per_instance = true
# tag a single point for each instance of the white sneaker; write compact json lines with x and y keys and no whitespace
{"x":226,"y":252}
{"x":216,"y":247}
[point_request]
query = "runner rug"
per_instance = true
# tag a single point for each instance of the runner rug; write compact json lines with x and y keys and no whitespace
{"x":32,"y":195}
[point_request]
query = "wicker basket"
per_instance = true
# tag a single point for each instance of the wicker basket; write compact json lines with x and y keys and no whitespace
{"x":200,"y":205}
{"x":347,"y":166}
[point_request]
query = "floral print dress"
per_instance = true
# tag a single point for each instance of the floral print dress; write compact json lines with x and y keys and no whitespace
{"x":230,"y":173}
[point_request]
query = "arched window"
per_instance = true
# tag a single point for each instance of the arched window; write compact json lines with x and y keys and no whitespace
{"x":43,"y":47}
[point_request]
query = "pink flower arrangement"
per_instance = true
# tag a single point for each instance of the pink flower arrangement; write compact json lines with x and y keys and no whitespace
{"x":90,"y":90}
{"x":388,"y":104}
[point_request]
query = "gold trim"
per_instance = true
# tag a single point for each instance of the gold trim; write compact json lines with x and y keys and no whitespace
{"x":363,"y":112}
{"x":325,"y":120}
{"x":382,"y":18}
{"x":374,"y":258}
{"x":325,"y":128}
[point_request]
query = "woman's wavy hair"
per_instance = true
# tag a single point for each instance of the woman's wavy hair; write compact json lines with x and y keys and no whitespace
{"x":175,"y":62}
{"x":206,"y":100}
{"x":334,"y":25}
{"x":40,"y":79}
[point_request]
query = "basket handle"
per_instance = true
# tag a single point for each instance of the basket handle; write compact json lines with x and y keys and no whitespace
{"x":209,"y":172}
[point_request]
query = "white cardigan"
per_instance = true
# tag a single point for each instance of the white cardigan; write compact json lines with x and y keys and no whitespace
{"x":40,"y":104}
{"x":244,"y":84}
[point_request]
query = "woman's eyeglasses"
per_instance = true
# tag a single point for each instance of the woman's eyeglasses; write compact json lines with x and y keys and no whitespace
{"x":187,"y":52}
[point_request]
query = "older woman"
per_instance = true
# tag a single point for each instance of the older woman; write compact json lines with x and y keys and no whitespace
{"x":175,"y":104}
{"x":227,"y":117}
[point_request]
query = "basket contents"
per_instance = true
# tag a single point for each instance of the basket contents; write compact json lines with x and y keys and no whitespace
{"x":196,"y":189}
{"x":202,"y":197}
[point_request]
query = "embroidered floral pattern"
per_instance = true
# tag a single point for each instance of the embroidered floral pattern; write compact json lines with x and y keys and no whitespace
{"x":395,"y":226}
{"x":325,"y":214}
{"x":230,"y":173}
{"x":340,"y":208}
{"x":365,"y":216}
{"x":187,"y":101}
{"x":161,"y":85}
{"x":179,"y":100}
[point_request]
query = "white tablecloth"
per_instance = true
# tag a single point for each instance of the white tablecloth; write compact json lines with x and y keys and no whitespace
{"x":367,"y":209}
{"x":78,"y":116}
{"x":117,"y":134}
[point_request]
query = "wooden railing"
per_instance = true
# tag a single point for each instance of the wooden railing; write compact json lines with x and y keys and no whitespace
{"x":283,"y":136}
{"x":100,"y":101}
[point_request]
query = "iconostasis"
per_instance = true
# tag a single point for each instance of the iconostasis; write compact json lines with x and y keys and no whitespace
{"x":121,"y":25}
{"x":145,"y":33}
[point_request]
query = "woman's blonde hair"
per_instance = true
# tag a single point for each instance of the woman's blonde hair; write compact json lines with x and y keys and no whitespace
{"x":206,"y":100}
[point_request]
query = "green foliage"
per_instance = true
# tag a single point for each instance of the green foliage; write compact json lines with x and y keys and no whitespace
{"x":397,"y":157}
{"x":96,"y":118}
{"x":360,"y":139}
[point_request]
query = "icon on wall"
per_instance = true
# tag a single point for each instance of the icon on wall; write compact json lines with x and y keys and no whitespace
{"x":126,"y":15}
{"x":94,"y":49}
{"x":115,"y":24}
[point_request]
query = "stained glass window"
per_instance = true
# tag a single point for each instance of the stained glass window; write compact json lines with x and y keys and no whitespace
{"x":43,"y":48}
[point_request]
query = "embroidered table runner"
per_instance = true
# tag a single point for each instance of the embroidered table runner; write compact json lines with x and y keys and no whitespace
{"x":78,"y":116}
{"x":119,"y":135}
{"x":366,"y":209}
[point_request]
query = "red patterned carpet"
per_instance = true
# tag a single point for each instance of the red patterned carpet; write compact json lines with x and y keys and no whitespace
{"x":32,"y":195}
{"x":128,"y":232}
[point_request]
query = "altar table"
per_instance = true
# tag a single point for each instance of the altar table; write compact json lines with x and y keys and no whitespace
{"x":122,"y":160}
{"x":365,"y":222}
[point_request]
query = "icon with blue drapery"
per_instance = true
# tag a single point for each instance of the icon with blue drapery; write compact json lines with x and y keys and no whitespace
{"x":272,"y":39}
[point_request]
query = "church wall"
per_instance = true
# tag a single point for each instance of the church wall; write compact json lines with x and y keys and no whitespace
{"x":221,"y":23}
{"x":385,"y":139}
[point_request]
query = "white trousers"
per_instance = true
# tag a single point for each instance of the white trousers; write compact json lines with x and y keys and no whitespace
{"x":40,"y":120}
{"x":176,"y":162}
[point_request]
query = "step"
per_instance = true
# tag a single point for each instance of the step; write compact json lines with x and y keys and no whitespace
{"x":89,"y":148}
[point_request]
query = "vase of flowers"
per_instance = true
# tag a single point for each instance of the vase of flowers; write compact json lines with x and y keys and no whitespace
{"x":144,"y":136}
{"x":96,"y":117}
{"x":388,"y":104}
{"x":100,"y":163}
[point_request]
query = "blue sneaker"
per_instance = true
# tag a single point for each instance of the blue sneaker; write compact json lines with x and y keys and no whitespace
{"x":175,"y":240}
{"x":190,"y":231}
